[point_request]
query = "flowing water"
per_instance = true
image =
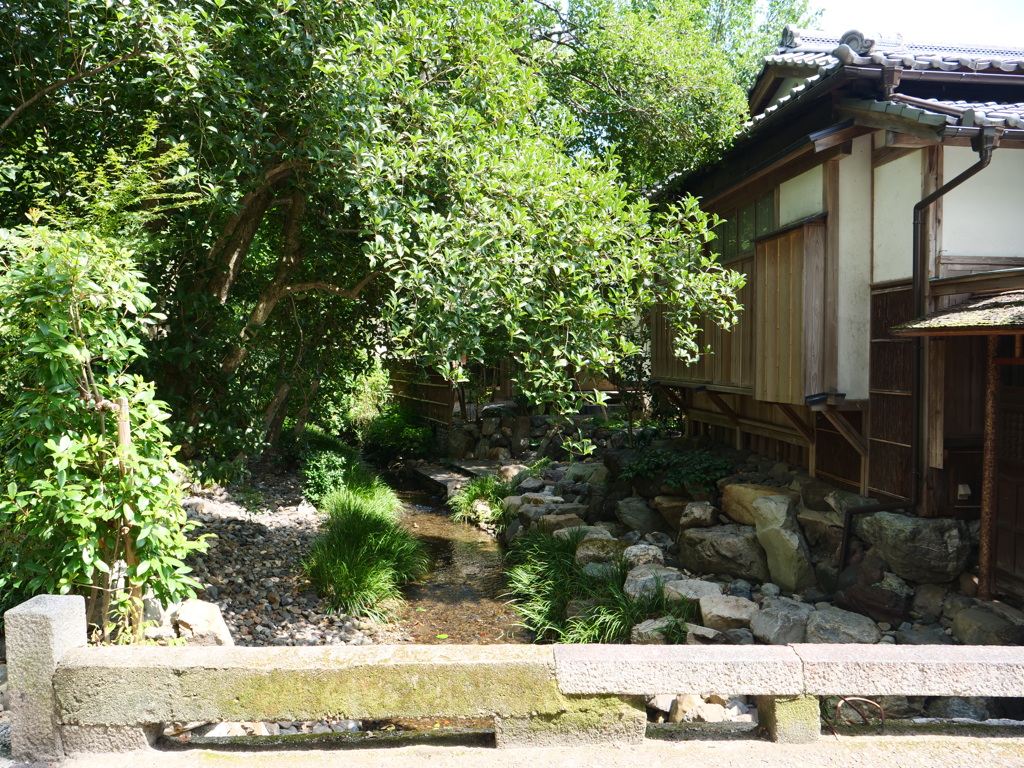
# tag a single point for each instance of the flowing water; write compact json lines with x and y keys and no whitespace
{"x":460,"y":601}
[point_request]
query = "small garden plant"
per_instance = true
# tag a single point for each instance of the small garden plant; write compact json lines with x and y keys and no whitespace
{"x":363,"y":555}
{"x":481,"y":501}
{"x":561,"y":603}
{"x":696,"y":470}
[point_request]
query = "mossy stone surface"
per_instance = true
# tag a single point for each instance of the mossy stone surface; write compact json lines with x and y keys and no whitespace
{"x":790,"y":719}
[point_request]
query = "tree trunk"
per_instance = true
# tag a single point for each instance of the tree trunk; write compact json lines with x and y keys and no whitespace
{"x":307,"y":404}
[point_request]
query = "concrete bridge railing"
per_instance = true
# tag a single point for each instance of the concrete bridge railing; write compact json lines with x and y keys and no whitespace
{"x":67,"y":698}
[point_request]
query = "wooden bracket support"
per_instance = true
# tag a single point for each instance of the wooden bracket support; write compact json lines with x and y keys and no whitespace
{"x":723,"y":406}
{"x":799,"y":424}
{"x":675,"y":397}
{"x":845,"y":428}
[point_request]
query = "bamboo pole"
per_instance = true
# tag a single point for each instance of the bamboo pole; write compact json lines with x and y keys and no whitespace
{"x":988,"y":482}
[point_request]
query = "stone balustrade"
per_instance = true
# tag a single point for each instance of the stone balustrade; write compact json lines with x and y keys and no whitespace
{"x":67,"y":698}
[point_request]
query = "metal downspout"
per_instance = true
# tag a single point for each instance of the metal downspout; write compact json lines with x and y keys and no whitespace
{"x":984,"y":144}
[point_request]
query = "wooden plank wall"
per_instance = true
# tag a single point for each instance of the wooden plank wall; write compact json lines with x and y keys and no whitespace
{"x":425,"y":394}
{"x":731,"y":362}
{"x":779,"y":375}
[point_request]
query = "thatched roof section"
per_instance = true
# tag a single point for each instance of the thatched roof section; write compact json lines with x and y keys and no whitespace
{"x":1001,"y":313}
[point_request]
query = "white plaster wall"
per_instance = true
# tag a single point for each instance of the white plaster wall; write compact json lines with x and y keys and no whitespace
{"x":984,"y":216}
{"x":802,"y":196}
{"x":897,"y":189}
{"x":854,"y":269}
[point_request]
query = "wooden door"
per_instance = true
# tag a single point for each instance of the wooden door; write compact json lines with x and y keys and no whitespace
{"x":1008,"y":549}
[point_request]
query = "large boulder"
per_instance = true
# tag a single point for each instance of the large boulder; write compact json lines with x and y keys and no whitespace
{"x":671,"y":508}
{"x":738,"y":499}
{"x":201,"y":623}
{"x":635,"y":513}
{"x":834,"y":625}
{"x":587,"y":531}
{"x":600,"y":550}
{"x":579,"y":472}
{"x":789,"y":559}
{"x":781,"y":621}
{"x":681,"y":513}
{"x":731,"y":549}
{"x":648,"y":579}
{"x":652,"y":631}
{"x":813,"y":493}
{"x":977,"y":626}
{"x":876,"y":601}
{"x":641,"y":554}
{"x":926,"y":550}
{"x":698,"y":514}
{"x":725,"y":612}
{"x":460,"y":443}
{"x":841,"y":501}
{"x":690,"y":589}
{"x":552,"y":523}
{"x":509,"y":472}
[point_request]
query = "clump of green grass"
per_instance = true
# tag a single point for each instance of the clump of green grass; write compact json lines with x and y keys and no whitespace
{"x":327,"y":471}
{"x":363,"y":555}
{"x":486,"y":488}
{"x":544,"y":579}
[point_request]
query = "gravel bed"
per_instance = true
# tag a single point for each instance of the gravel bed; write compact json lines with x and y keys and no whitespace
{"x":252,"y":569}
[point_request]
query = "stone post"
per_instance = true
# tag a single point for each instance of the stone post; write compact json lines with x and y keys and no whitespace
{"x":39,"y":632}
{"x":790,"y":719}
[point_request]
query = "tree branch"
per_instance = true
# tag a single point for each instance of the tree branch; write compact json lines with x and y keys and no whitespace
{"x":66,"y":81}
{"x":320,"y":285}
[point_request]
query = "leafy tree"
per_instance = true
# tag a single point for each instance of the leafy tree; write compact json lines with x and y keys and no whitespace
{"x":659,"y":83}
{"x":413,"y":173}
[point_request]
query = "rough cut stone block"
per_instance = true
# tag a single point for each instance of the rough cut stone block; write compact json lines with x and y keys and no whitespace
{"x":141,"y":685}
{"x":90,"y":739}
{"x":600,"y":720}
{"x":700,"y":669}
{"x":790,"y":719}
{"x":912,"y":670}
{"x":40,"y":633}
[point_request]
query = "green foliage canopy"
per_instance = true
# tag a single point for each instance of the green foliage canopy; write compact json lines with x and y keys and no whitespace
{"x":436,"y":178}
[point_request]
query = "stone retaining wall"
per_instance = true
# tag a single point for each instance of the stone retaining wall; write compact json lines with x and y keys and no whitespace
{"x":67,"y":698}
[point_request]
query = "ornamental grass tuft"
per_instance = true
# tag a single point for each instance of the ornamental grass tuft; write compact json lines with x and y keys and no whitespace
{"x":561,"y":603}
{"x":363,"y":555}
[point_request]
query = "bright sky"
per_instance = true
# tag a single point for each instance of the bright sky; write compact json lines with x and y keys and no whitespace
{"x":995,"y":22}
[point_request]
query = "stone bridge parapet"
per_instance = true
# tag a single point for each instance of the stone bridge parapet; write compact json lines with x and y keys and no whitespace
{"x":67,"y":698}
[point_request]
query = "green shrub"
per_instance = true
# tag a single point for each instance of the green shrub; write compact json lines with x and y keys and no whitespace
{"x":326,"y":471}
{"x":486,"y":488}
{"x":395,"y":434}
{"x":78,"y":504}
{"x":545,"y":578}
{"x":696,"y":469}
{"x":363,"y":555}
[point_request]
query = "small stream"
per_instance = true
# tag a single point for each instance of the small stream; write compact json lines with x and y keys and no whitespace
{"x":460,"y":600}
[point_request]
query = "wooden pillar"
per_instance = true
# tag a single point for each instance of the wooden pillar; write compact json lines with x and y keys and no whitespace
{"x":988,"y":463}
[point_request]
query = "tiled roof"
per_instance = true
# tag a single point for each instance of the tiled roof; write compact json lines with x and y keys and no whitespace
{"x":795,"y":40}
{"x":990,"y":314}
{"x":822,"y":51}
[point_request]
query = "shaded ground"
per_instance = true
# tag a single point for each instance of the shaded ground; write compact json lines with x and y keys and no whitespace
{"x":460,"y":601}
